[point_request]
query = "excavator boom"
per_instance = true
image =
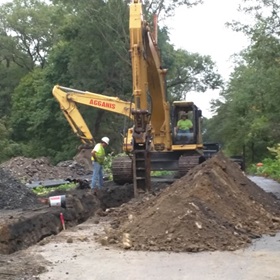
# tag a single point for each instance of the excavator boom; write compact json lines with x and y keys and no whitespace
{"x":152,"y":112}
{"x":68,"y":99}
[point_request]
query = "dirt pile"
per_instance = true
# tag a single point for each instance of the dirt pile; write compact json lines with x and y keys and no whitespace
{"x":28,"y":170}
{"x":214,"y":207}
{"x":16,"y":172}
{"x":14,"y":195}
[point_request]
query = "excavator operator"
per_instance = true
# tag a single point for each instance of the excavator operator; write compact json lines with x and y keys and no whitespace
{"x":183,"y":126}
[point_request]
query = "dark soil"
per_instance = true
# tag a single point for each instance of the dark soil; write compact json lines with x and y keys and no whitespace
{"x":29,"y":170}
{"x":14,"y":194}
{"x":214,"y":207}
{"x":25,"y":218}
{"x":15,"y":173}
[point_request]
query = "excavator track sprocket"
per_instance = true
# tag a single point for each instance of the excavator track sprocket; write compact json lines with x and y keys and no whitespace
{"x":122,"y":170}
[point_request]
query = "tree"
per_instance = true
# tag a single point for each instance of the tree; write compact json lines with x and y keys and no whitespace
{"x":37,"y":123}
{"x":10,"y":75}
{"x":249,"y":111}
{"x":191,"y":72}
{"x":28,"y":30}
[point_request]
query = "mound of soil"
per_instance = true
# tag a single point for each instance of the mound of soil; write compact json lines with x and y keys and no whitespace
{"x":14,"y":194}
{"x":214,"y":207}
{"x":18,"y":171}
{"x":28,"y":170}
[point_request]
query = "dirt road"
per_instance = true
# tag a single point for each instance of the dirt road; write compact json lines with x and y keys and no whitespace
{"x":74,"y":254}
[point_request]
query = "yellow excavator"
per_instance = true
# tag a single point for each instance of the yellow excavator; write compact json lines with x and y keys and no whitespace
{"x":152,"y":143}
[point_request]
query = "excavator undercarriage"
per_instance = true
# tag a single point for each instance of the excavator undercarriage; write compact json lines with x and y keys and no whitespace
{"x":122,"y":166}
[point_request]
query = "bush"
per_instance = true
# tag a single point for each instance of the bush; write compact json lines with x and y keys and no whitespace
{"x":270,"y":167}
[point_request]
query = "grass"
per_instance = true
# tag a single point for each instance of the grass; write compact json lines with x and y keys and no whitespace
{"x":41,"y":190}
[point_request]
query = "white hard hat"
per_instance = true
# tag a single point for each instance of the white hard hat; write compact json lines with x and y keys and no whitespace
{"x":105,"y":140}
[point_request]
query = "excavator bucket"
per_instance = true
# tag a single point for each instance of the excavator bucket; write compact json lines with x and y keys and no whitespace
{"x":83,"y":157}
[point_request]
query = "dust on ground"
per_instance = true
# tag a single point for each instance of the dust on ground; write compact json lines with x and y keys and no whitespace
{"x":214,"y":207}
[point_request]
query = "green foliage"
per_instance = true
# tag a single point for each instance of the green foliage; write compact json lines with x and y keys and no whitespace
{"x":29,"y":30}
{"x":250,"y":105}
{"x":7,"y":146}
{"x":42,"y":191}
{"x":247,"y":116}
{"x":191,"y":72}
{"x":275,"y":151}
{"x":162,"y":173}
{"x":10,"y":75}
{"x":37,"y":123}
{"x":270,"y":166}
{"x":107,"y":166}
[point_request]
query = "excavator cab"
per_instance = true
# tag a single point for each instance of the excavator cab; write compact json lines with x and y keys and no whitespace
{"x":190,"y":114}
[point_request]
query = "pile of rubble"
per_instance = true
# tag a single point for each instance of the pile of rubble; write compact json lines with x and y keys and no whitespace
{"x":17,"y":172}
{"x":29,"y":170}
{"x":14,"y":194}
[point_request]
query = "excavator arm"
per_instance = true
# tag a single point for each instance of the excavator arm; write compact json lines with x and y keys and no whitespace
{"x":152,"y":112}
{"x":148,"y":76}
{"x":68,"y":99}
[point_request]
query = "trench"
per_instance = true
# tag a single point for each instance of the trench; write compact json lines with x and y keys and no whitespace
{"x":20,"y":229}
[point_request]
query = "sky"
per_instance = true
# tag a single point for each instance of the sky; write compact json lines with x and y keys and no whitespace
{"x":202,"y":29}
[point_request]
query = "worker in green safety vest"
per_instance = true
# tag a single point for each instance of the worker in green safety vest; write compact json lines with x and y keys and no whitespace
{"x":98,"y":157}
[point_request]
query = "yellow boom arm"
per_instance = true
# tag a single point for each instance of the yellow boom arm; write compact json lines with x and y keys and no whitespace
{"x":68,"y":98}
{"x":149,"y":78}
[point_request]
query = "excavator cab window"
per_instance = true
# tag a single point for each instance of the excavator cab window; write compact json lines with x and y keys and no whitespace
{"x":184,"y":124}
